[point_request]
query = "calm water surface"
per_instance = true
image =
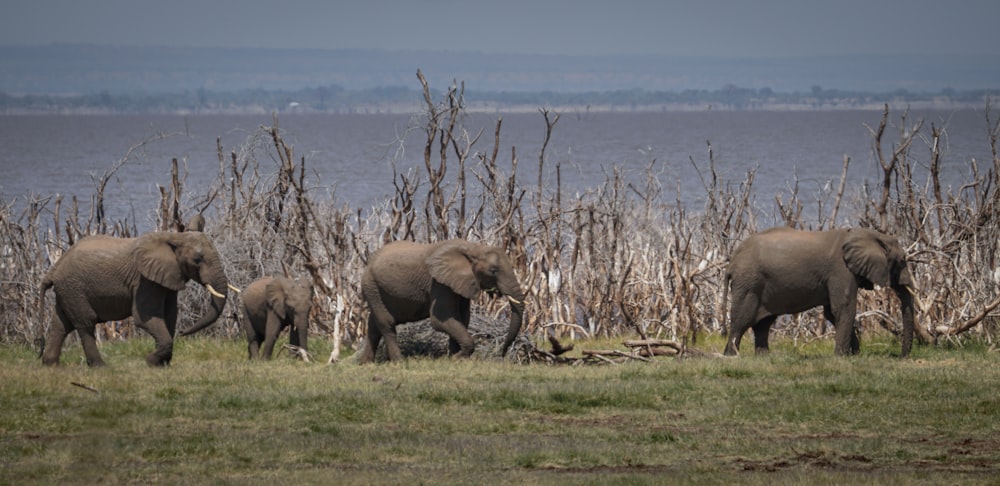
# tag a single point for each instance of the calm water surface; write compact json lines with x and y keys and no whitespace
{"x":351,"y":156}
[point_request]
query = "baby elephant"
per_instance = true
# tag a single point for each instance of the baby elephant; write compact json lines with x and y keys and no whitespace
{"x":272,"y":304}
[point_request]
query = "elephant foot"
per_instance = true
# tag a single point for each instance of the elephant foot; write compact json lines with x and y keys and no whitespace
{"x":96,"y":363}
{"x":160,"y":357}
{"x":367,"y":356}
{"x":50,"y":361}
{"x":762,"y":351}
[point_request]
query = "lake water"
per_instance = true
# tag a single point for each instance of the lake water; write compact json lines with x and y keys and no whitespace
{"x":351,"y":155}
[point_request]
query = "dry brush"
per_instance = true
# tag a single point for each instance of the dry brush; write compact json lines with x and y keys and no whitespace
{"x":615,"y":260}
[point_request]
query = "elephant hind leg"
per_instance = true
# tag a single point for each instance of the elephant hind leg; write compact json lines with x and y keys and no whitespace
{"x":58,"y":330}
{"x":761,"y":330}
{"x":376,"y":332}
{"x":742,"y":314}
{"x":392,"y":344}
{"x":89,"y":340}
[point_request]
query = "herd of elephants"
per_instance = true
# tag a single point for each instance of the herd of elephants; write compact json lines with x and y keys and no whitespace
{"x":775,"y":272}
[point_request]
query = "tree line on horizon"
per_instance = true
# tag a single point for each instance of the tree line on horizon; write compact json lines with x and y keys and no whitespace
{"x":391,"y":99}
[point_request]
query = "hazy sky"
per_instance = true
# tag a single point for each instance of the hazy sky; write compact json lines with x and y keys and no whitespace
{"x":726,"y":28}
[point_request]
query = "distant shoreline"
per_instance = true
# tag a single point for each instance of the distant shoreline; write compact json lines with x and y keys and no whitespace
{"x":577,"y":110}
{"x":68,"y":107}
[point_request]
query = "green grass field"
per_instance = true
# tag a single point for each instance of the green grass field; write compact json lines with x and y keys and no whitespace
{"x":797,"y":416}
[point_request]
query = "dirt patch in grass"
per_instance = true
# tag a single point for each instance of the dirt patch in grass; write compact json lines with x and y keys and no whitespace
{"x":967,"y":456}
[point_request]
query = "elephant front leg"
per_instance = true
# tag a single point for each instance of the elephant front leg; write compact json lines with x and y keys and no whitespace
{"x":846,"y":340}
{"x":456,"y":347}
{"x":298,"y":336}
{"x":89,"y":340}
{"x":164,"y":352}
{"x":152,"y":315}
{"x":253,"y":346}
{"x":271,"y":330}
{"x":454,"y":320}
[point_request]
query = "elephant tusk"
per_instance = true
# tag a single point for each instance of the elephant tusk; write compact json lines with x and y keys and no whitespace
{"x":916,"y":298}
{"x":214,"y":292}
{"x":514,"y":301}
{"x":234,"y":289}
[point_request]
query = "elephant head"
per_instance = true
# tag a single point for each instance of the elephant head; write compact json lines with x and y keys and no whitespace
{"x":195,"y":223}
{"x":171,"y":259}
{"x":290,"y":300}
{"x":877,"y":259}
{"x":468,"y":268}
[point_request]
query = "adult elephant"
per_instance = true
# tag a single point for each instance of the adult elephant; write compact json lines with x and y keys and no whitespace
{"x":407,"y":281}
{"x":102,"y":278}
{"x":785,"y":271}
{"x":272,"y":304}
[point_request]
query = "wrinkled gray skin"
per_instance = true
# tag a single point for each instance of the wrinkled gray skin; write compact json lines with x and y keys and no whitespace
{"x":272,"y":304}
{"x":407,"y":282}
{"x":102,"y":279}
{"x":785,"y":271}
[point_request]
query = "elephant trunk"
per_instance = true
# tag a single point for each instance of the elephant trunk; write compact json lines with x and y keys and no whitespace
{"x":906,"y":297}
{"x":903,"y":286}
{"x":218,"y":288}
{"x":516,"y":298}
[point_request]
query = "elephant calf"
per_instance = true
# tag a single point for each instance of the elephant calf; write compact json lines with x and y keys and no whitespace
{"x":272,"y":304}
{"x":785,"y":271}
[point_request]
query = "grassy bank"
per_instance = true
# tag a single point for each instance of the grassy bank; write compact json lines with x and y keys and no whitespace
{"x":797,"y":416}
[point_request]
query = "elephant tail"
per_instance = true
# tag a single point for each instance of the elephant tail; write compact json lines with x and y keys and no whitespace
{"x":40,"y":335}
{"x":727,"y":278}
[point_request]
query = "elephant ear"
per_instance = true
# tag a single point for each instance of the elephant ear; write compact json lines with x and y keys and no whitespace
{"x":867,"y":257}
{"x":275,"y":293}
{"x":451,"y":264}
{"x":156,"y":258}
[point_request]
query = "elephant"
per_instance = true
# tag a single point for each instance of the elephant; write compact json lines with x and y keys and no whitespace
{"x":785,"y":271}
{"x":272,"y":304}
{"x":406,"y":281}
{"x":195,"y":223}
{"x":103,"y":278}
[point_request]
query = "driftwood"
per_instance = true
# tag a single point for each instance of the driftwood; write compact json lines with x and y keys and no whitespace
{"x":85,"y":387}
{"x":644,"y":350}
{"x":974,"y":321}
{"x":297,"y":352}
